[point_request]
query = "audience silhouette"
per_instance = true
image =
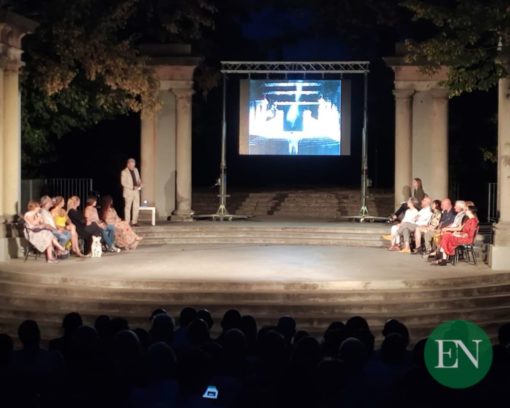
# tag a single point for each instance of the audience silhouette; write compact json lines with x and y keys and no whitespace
{"x":114,"y":365}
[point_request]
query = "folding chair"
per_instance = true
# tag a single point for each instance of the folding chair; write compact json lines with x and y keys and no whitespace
{"x":28,"y":248}
{"x":466,"y":251}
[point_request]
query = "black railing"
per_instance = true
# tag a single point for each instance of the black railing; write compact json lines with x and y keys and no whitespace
{"x":66,"y":187}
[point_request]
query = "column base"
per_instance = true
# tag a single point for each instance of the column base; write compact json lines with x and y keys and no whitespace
{"x":10,"y":244}
{"x":182,"y":216}
{"x":499,"y":258}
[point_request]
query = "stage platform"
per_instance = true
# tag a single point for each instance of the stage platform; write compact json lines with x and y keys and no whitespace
{"x":314,"y":283}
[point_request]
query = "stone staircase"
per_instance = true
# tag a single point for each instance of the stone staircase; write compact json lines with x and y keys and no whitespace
{"x":316,"y":203}
{"x":266,"y":233}
{"x":421,"y":305}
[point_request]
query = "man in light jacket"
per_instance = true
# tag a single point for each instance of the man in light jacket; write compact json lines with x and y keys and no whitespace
{"x":131,"y":186}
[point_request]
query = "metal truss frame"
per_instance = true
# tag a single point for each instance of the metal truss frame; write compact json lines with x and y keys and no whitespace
{"x":294,"y":67}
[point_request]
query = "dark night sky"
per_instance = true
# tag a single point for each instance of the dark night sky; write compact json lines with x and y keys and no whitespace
{"x":471,"y":124}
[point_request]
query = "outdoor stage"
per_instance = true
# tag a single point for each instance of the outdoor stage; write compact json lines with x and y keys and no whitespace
{"x":343,"y":275}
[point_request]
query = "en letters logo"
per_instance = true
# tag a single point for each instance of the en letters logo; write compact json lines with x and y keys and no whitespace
{"x":458,"y":354}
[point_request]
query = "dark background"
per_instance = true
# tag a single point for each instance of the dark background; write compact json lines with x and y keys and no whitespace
{"x":101,"y":152}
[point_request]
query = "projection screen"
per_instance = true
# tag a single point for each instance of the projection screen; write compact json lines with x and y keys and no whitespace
{"x":294,"y":117}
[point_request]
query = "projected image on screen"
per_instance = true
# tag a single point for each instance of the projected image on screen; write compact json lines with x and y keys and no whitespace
{"x":294,"y":117}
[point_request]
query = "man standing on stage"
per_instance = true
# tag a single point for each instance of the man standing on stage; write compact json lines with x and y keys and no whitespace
{"x":131,"y":185}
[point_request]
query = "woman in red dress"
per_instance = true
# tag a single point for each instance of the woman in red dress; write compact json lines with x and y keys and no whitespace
{"x":452,"y":240}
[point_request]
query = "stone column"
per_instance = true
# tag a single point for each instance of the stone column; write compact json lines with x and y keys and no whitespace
{"x":2,"y":122}
{"x":148,"y":156}
{"x":12,"y":142}
{"x":438,"y":177}
{"x":500,"y":251}
{"x":403,"y":144}
{"x":183,"y":211}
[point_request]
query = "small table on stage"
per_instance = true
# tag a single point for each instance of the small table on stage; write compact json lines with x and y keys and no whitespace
{"x":153,"y":213}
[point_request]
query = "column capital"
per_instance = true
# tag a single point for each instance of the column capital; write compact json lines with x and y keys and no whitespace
{"x":183,"y":93}
{"x":503,"y":58}
{"x":439,"y":93}
{"x":403,"y":93}
{"x":10,"y":58}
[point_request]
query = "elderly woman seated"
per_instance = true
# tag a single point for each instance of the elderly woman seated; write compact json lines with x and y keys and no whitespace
{"x":452,"y":239}
{"x":63,"y":236}
{"x":39,"y":234}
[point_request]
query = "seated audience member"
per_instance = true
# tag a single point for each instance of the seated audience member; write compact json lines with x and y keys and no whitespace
{"x":432,"y":226}
{"x":448,"y":215}
{"x":455,"y":226}
{"x":46,"y":203}
{"x":451,"y":240}
{"x":125,"y":237}
{"x":37,"y":373}
{"x":161,"y":388}
{"x":460,"y":213}
{"x":70,"y":324}
{"x":107,"y":231}
{"x":410,"y":216}
{"x":86,"y":232}
{"x":39,"y":235}
{"x":63,"y":223}
{"x":422,"y":219}
{"x":417,"y":192}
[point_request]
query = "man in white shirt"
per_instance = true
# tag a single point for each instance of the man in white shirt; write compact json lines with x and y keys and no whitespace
{"x":409,"y":217}
{"x":421,"y":219}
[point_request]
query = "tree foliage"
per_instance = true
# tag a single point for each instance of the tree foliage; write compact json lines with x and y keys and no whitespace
{"x":468,"y":35}
{"x":83,"y":63}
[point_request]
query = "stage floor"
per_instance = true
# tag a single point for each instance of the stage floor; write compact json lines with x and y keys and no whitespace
{"x":338,"y":267}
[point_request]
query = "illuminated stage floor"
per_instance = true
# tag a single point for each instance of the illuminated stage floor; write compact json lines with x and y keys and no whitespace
{"x":347,"y":267}
{"x":315,"y":284}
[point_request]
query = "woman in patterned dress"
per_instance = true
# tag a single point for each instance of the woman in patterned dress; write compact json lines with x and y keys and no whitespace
{"x":125,"y":237}
{"x":39,"y":235}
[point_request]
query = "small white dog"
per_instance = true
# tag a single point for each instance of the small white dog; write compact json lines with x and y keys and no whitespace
{"x":97,"y":250}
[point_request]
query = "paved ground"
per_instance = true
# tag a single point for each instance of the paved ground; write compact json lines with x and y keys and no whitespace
{"x":347,"y":267}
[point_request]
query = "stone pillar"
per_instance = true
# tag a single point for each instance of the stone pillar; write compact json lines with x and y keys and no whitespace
{"x":500,"y":251}
{"x":438,"y":175}
{"x":13,"y":28}
{"x":12,"y":143}
{"x":2,"y":187}
{"x":403,"y":144}
{"x":183,"y":211}
{"x":148,"y":154}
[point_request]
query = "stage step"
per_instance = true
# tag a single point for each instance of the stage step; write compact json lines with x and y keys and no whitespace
{"x":46,"y":297}
{"x":265,"y":233}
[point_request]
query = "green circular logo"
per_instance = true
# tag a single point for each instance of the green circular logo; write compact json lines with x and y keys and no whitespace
{"x":458,"y":354}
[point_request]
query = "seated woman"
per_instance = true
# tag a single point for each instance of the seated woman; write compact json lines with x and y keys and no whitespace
{"x":92,"y":218}
{"x":451,"y":240}
{"x":63,"y":223}
{"x":409,"y":217}
{"x":85,"y":232}
{"x":125,"y":237}
{"x":38,"y":235}
{"x":417,"y":192}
